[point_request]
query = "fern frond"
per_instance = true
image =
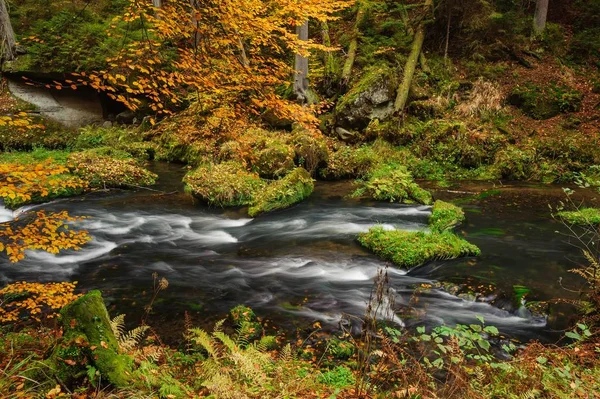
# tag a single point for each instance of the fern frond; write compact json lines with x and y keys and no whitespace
{"x":117,"y":325}
{"x":202,"y":338}
{"x":218,"y":326}
{"x":286,"y":354}
{"x":227,"y":341}
{"x":129,"y":340}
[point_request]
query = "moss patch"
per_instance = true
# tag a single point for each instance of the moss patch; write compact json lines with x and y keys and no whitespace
{"x":393,"y":182}
{"x":104,"y":171}
{"x":583,"y":216}
{"x":547,"y":101}
{"x":283,"y":193}
{"x":225,"y":184}
{"x":89,"y":340}
{"x":445,"y":216}
{"x":410,"y":249}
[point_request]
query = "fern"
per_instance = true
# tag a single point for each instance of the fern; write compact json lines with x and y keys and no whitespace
{"x":127,"y":340}
{"x":202,"y":338}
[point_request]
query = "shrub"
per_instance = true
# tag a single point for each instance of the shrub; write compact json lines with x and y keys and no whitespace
{"x":410,"y":249}
{"x":311,"y":151}
{"x":225,"y":184}
{"x":445,"y":216}
{"x":283,"y":193}
{"x":103,"y":171}
{"x":394,"y":183}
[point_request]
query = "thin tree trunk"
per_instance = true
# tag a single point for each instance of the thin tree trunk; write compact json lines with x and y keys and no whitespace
{"x":539,"y":19}
{"x":411,"y":63}
{"x":330,"y":68}
{"x":347,"y":70}
{"x":157,"y":3}
{"x":7,"y":35}
{"x":301,"y":66}
{"x":447,"y":34}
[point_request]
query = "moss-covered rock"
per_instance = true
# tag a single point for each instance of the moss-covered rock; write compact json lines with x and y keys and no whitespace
{"x":311,"y":150}
{"x":393,"y":182}
{"x":88,"y":340}
{"x":583,"y":216}
{"x":225,"y":184}
{"x":267,"y":153}
{"x":410,"y":249}
{"x":246,"y":321}
{"x":103,"y":171}
{"x":445,"y":216}
{"x":350,"y":162}
{"x":545,"y":102}
{"x":293,"y":188}
{"x":371,"y":97}
{"x":515,"y":163}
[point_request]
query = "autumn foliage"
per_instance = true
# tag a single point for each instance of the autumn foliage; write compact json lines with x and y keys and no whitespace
{"x":23,"y":183}
{"x":42,"y":231}
{"x":229,"y":57}
{"x":38,"y":300}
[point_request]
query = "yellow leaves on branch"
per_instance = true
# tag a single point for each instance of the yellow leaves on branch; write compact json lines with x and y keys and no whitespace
{"x":20,"y":183}
{"x":218,"y":52}
{"x":36,"y":300}
{"x":20,"y":121}
{"x":41,"y":231}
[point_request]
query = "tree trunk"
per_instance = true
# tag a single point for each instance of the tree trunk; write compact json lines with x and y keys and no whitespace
{"x":411,"y":63}
{"x":301,"y":67}
{"x":539,"y":19}
{"x":157,"y":3}
{"x":330,"y":66}
{"x":347,"y":70}
{"x":7,"y":35}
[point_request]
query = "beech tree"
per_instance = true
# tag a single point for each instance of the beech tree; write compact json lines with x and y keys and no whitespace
{"x":230,"y":62}
{"x":7,"y":35}
{"x":539,"y":19}
{"x":301,"y":67}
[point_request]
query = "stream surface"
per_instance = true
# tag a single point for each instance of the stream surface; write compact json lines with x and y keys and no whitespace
{"x":298,"y":265}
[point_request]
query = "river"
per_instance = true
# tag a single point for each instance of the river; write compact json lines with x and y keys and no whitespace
{"x":303,"y":264}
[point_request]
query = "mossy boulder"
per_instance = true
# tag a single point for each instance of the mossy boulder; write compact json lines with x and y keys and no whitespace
{"x":267,"y":153}
{"x":104,"y":171}
{"x":224,"y":184}
{"x":409,"y":249}
{"x":545,"y":102}
{"x":371,"y":97}
{"x":515,"y":163}
{"x":582,"y":217}
{"x":310,"y":149}
{"x":350,"y":162}
{"x":88,"y":340}
{"x":293,"y":188}
{"x":245,"y":320}
{"x":393,"y":182}
{"x":445,"y":216}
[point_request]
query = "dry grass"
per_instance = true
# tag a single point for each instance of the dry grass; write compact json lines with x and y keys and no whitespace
{"x":484,"y":97}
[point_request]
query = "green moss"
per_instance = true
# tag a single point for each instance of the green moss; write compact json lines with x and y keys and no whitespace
{"x":514,"y":163}
{"x":310,"y":151}
{"x":103,"y":171}
{"x":225,"y":184}
{"x":283,"y":193}
{"x":544,"y":102}
{"x":268,"y":153}
{"x":89,"y":340}
{"x":410,"y":249}
{"x":246,"y":321}
{"x":340,"y":349}
{"x":52,"y":136}
{"x":583,"y":216}
{"x":375,"y":74}
{"x":394,"y":183}
{"x":350,"y":162}
{"x":445,"y":216}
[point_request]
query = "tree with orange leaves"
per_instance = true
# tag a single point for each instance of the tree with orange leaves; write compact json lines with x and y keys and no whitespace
{"x":230,"y":57}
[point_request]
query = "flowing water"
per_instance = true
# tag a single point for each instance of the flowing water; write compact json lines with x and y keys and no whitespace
{"x":294,"y":266}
